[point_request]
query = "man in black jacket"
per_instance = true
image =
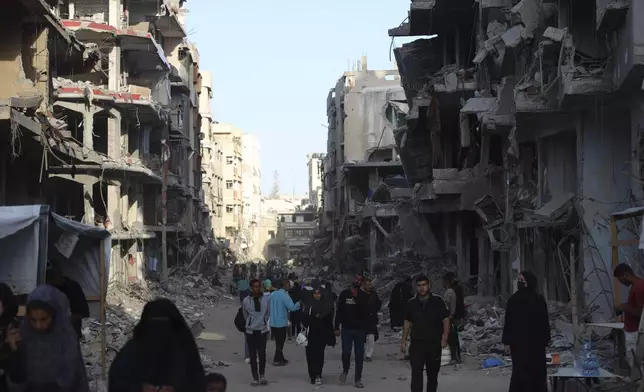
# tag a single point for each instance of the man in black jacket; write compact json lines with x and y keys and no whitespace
{"x":427,"y":323}
{"x":372,"y":320}
{"x":351,"y":315}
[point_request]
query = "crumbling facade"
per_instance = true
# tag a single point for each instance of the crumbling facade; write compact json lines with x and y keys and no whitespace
{"x":315,"y":166}
{"x":99,"y":97}
{"x":252,"y":194}
{"x":537,"y":104}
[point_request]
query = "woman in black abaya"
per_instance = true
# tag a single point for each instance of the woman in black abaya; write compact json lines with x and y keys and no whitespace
{"x":526,"y":334}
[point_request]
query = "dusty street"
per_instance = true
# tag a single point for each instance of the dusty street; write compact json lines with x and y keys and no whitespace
{"x":386,"y":373}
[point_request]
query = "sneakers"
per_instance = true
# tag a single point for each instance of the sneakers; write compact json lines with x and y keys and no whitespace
{"x":247,"y":360}
{"x":343,"y":377}
{"x":359,"y":384}
{"x":254,"y":383}
{"x":280,"y":363}
{"x":318,"y":381}
{"x":262,"y":380}
{"x":368,"y":359}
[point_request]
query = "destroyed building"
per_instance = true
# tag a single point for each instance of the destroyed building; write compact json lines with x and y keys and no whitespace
{"x":537,"y":104}
{"x":380,"y":204}
{"x":95,"y":95}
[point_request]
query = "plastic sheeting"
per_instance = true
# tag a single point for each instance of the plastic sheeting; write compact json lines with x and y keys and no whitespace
{"x":27,"y":238}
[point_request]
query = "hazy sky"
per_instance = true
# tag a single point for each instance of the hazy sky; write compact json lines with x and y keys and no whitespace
{"x":273,"y":63}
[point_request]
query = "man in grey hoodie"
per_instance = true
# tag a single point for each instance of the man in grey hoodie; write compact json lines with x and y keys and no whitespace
{"x":256,"y":313}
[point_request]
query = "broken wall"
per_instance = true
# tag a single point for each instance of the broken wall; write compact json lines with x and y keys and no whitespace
{"x":25,"y":56}
{"x":366,"y":125}
{"x":94,"y":10}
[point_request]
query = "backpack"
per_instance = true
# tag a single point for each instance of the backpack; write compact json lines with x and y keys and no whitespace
{"x":240,"y":322}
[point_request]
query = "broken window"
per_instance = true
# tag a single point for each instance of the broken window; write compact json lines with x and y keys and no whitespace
{"x":229,"y":209}
{"x":271,"y":234}
{"x":229,"y":184}
{"x":229,"y":160}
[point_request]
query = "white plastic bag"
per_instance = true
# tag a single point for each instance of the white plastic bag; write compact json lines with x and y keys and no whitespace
{"x":446,"y":356}
{"x":302,"y":338}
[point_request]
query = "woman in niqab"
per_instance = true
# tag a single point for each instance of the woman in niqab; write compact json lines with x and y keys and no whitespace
{"x":162,"y":354}
{"x":526,"y":334}
{"x":317,"y":317}
{"x":49,"y":354}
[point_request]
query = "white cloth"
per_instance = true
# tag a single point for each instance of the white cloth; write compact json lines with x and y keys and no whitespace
{"x":370,"y":346}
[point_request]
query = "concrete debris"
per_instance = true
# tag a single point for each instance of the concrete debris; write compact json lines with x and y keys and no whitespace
{"x":192,"y":293}
{"x":513,"y":37}
{"x":554,"y":34}
{"x":496,"y":29}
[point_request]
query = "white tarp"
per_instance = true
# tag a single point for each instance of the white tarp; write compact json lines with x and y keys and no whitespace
{"x":26,"y":238}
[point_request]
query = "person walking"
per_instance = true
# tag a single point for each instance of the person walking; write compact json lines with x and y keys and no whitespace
{"x":400,"y":296}
{"x":526,"y":334}
{"x":256,"y":311}
{"x":48,"y":356}
{"x":427,"y":324}
{"x":456,"y":304}
{"x":372,"y":319}
{"x":297,"y":295}
{"x":632,"y":309}
{"x":350,"y":323}
{"x":161,"y":355}
{"x":281,"y":304}
{"x":317,"y":316}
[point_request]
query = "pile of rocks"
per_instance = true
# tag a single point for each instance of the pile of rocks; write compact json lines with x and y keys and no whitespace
{"x":190,"y":292}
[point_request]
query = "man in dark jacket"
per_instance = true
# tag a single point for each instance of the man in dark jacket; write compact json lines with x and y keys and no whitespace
{"x":351,"y":315}
{"x":400,"y":296}
{"x":372,"y":320}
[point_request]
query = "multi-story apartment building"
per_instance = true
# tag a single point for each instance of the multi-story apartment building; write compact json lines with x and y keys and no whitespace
{"x":315,"y":167}
{"x":295,"y":232}
{"x":230,"y":140}
{"x":212,"y":159}
{"x":252,"y":194}
{"x":112,"y":94}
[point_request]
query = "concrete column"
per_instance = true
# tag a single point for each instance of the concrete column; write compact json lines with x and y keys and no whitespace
{"x":463,"y":269}
{"x":3,"y":177}
{"x":71,"y":9}
{"x":114,"y":134}
{"x":114,"y":205}
{"x":484,"y":262}
{"x":114,"y":9}
{"x":373,"y":239}
{"x":88,"y":141}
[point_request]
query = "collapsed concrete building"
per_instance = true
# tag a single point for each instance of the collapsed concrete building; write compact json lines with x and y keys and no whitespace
{"x":528,"y":113}
{"x":96,"y":96}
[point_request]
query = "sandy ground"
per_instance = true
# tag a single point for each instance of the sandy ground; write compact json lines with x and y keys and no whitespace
{"x":386,"y":373}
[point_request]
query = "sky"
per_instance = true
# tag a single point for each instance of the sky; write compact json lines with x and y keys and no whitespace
{"x":273,"y":63}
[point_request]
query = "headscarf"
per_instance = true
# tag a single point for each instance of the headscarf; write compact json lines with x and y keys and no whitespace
{"x":161,"y":352}
{"x":526,"y":316}
{"x":530,"y":280}
{"x":53,"y":357}
{"x":9,"y":305}
{"x":268,"y":284}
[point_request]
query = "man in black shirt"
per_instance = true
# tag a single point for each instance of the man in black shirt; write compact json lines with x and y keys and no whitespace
{"x":351,"y":313}
{"x":77,"y":301}
{"x":427,"y":323}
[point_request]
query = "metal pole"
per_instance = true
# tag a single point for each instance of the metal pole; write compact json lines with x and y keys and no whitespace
{"x":573,"y":297}
{"x":164,"y":212}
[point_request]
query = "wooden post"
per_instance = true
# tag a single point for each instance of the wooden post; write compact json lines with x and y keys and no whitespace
{"x":103,"y":286}
{"x":617,"y":292}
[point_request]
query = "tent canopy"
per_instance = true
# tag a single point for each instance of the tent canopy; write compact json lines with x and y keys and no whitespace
{"x":32,"y":235}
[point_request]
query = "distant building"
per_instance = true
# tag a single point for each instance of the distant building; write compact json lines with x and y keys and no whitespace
{"x":252,"y":195}
{"x":230,"y":140}
{"x":295,"y":233}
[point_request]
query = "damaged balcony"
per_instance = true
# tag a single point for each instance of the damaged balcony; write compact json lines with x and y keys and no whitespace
{"x":428,"y":17}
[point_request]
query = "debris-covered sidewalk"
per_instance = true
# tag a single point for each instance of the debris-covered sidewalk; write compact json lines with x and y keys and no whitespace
{"x":192,"y":293}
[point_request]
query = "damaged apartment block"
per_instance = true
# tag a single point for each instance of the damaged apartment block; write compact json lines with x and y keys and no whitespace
{"x":524,"y":135}
{"x":101,"y":106}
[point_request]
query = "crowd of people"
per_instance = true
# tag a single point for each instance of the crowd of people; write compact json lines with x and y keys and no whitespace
{"x":40,"y":349}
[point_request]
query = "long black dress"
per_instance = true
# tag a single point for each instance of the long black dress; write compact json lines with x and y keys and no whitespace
{"x":318,"y":318}
{"x":527,"y":332}
{"x":400,"y":296}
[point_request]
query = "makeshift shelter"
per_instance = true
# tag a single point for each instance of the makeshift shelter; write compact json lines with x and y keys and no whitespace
{"x":32,"y":235}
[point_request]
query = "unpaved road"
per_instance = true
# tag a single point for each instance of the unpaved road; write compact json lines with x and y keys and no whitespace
{"x":385,"y":374}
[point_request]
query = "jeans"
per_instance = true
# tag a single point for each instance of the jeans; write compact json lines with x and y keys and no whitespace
{"x":371,"y":345}
{"x":424,"y":355}
{"x":257,"y":347}
{"x":280,"y":338}
{"x":353,"y":338}
{"x":454,"y":343}
{"x":315,"y":358}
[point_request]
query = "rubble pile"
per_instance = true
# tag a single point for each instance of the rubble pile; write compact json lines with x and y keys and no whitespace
{"x":190,"y":292}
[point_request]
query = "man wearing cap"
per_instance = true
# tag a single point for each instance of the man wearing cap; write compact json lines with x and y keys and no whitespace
{"x":351,"y":318}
